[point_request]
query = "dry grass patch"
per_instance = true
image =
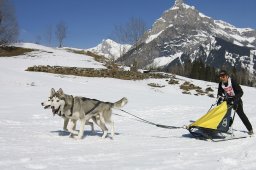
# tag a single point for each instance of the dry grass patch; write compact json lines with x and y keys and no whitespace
{"x":187,"y":86}
{"x":90,"y":72}
{"x":10,"y":51}
{"x":209,"y":89}
{"x":156,"y":85}
{"x":96,"y":57}
{"x":172,"y":81}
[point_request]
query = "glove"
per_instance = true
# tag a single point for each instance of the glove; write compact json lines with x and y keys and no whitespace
{"x":220,"y":100}
{"x":230,"y":100}
{"x":235,"y":103}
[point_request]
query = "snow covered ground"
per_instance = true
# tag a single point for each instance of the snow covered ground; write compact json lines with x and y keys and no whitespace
{"x":31,"y":138}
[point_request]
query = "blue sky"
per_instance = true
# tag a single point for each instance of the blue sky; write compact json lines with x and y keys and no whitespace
{"x":90,"y":21}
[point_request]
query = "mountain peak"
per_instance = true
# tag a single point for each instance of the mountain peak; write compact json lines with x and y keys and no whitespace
{"x":178,"y":2}
{"x":110,"y":49}
{"x":109,"y":41}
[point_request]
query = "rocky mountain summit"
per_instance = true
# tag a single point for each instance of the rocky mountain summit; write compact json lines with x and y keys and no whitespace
{"x":110,"y":49}
{"x":184,"y":34}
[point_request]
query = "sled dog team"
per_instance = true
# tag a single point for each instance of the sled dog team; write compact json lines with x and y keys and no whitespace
{"x":74,"y":108}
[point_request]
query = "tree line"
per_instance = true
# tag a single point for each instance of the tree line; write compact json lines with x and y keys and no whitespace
{"x":9,"y":28}
{"x":201,"y":71}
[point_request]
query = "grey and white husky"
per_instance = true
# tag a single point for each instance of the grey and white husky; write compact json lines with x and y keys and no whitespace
{"x":47,"y":105}
{"x":83,"y":109}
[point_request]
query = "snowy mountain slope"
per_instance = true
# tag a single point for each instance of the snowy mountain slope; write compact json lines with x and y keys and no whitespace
{"x":184,"y":30}
{"x":110,"y":49}
{"x":55,"y":56}
{"x":31,"y":138}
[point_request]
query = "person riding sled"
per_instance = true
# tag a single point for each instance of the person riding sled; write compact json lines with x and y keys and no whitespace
{"x":232,"y":92}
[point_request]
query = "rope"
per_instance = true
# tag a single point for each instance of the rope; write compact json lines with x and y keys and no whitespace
{"x":152,"y":123}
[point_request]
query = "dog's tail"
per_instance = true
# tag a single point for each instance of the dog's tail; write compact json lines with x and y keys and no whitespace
{"x":120,"y":103}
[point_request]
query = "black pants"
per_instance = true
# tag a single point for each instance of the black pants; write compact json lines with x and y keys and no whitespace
{"x":243,"y":117}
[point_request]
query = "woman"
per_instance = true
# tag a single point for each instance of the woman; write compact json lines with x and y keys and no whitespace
{"x":233,"y":92}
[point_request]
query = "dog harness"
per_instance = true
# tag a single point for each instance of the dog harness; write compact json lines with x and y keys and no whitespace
{"x":71,"y":109}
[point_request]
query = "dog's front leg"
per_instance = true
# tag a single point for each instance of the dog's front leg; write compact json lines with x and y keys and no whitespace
{"x":81,"y":131}
{"x":71,"y":126}
{"x":65,"y":125}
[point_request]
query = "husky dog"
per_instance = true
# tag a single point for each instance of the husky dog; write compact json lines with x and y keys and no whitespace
{"x":82,"y":109}
{"x":47,"y":105}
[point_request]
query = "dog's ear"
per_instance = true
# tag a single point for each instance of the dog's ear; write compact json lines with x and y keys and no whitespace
{"x":52,"y":92}
{"x":60,"y":91}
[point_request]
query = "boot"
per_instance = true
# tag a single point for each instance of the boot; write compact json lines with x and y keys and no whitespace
{"x":250,"y":132}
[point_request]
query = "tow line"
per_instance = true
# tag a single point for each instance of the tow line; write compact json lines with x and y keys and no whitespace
{"x":155,"y":124}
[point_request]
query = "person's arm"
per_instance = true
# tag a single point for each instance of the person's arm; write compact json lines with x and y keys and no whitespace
{"x":220,"y":95}
{"x":220,"y":90}
{"x":237,"y":89}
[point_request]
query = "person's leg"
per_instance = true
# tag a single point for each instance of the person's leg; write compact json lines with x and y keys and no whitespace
{"x":243,"y":117}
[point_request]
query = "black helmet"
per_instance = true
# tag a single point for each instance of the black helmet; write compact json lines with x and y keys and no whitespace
{"x":223,"y":73}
